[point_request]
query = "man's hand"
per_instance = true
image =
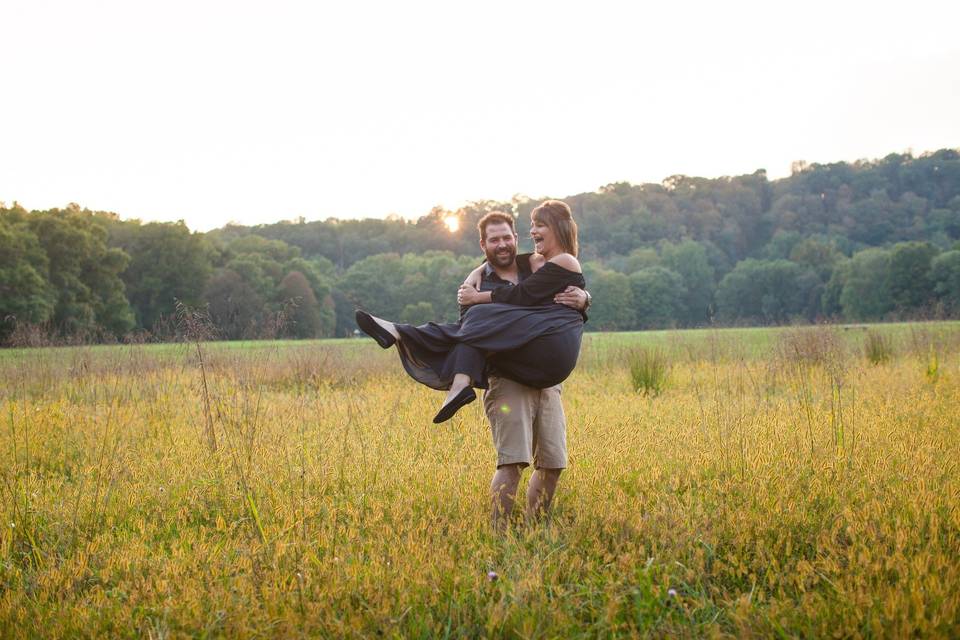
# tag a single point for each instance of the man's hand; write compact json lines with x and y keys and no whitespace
{"x":573,"y":297}
{"x":467,"y":295}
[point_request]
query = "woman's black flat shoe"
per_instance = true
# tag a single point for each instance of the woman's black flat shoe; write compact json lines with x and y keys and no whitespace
{"x":462,"y":399}
{"x":370,"y":327}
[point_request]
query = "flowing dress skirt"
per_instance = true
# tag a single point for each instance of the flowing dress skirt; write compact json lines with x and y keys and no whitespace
{"x":541,"y":343}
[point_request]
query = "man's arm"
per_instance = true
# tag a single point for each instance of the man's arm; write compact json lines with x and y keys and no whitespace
{"x":475,"y":277}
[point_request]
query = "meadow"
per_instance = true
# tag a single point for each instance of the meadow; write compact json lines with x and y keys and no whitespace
{"x":796,"y":482}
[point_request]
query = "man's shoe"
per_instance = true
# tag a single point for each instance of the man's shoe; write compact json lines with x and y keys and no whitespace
{"x":370,"y":327}
{"x":462,"y":399}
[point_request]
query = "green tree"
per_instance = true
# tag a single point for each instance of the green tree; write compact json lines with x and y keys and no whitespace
{"x":613,"y":305}
{"x":945,"y":273}
{"x":418,"y":313}
{"x":277,"y":250}
{"x":866,"y":287}
{"x":235,"y":308}
{"x":830,"y":296}
{"x":911,"y":284}
{"x":263,"y":263}
{"x":169,"y":263}
{"x":83,"y":270}
{"x":690,"y":259}
{"x":658,"y":295}
{"x":26,"y":294}
{"x":765,"y":291}
{"x":304,"y":319}
{"x":434,"y":277}
{"x":817,"y":253}
{"x":374,"y":284}
{"x":260,"y":271}
{"x":781,"y":244}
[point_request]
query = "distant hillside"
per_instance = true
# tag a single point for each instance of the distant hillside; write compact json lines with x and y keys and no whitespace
{"x":860,"y":241}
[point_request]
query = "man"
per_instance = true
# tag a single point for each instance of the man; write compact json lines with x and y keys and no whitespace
{"x":528,"y":424}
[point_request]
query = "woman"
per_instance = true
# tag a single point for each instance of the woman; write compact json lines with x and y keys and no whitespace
{"x":453,"y":356}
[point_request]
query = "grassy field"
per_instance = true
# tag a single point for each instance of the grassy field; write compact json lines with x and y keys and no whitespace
{"x":781,"y":484}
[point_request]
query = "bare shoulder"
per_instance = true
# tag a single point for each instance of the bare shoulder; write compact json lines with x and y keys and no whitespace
{"x":536,"y":261}
{"x":567,"y":261}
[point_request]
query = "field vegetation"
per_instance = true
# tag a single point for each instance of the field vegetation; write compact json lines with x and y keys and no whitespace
{"x":780,"y":482}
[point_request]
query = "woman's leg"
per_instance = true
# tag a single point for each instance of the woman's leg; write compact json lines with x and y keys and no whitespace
{"x":541,"y":363}
{"x":465,"y":368}
{"x":388,"y":326}
{"x":460,"y":382}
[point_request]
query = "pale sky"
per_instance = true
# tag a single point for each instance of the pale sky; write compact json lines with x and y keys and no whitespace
{"x":255,"y":112}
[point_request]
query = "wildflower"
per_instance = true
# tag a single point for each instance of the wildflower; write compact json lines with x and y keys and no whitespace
{"x":672,"y":593}
{"x":492,"y":576}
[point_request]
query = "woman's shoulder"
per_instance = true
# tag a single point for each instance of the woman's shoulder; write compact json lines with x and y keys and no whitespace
{"x":534,"y":260}
{"x":567,"y":261}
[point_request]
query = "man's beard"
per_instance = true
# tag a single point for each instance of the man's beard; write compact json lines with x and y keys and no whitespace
{"x":503,"y":259}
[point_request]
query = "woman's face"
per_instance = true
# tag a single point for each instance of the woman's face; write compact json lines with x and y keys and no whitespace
{"x":544,"y":238}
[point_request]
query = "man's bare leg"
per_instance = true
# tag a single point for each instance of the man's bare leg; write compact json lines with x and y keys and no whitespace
{"x":540,"y":490}
{"x":503,"y":493}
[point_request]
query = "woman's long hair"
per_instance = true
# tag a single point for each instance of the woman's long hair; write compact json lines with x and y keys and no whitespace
{"x":556,"y":214}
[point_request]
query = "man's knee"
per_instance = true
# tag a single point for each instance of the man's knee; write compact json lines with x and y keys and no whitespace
{"x":509,"y":473}
{"x":550,"y":474}
{"x":506,"y":479}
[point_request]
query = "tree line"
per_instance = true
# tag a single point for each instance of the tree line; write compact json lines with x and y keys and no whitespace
{"x":866,"y":240}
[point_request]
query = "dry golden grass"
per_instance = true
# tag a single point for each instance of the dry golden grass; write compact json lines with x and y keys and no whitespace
{"x":800,"y":492}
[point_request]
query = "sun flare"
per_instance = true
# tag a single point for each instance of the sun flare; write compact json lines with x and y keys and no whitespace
{"x":453,"y":223}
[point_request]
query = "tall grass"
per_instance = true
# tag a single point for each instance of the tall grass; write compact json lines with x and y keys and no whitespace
{"x":878,"y":347}
{"x":649,"y":370}
{"x":792,"y":491}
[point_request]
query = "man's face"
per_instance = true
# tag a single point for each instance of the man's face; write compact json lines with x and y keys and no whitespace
{"x":500,"y":245}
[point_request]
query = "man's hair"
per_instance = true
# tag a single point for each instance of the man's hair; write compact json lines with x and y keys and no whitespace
{"x":556,"y":214}
{"x":494,"y":217}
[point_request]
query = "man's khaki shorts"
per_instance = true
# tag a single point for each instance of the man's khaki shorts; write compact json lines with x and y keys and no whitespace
{"x":527,"y":424}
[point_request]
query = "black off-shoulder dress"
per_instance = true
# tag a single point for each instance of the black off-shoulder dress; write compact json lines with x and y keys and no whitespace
{"x":433,"y":353}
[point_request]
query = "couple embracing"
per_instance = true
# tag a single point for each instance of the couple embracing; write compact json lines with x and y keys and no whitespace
{"x":518,"y":337}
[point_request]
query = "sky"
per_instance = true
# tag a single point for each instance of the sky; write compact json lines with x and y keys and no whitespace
{"x":254,"y":112}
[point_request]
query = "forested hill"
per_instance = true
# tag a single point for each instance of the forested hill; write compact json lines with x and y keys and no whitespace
{"x":864,"y":240}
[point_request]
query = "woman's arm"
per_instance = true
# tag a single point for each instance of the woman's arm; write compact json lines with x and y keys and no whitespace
{"x":544,"y":284}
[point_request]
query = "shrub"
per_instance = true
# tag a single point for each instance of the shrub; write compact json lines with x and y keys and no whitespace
{"x":878,"y":347}
{"x":649,"y":370}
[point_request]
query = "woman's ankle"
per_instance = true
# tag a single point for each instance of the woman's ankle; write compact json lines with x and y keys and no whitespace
{"x":388,"y":326}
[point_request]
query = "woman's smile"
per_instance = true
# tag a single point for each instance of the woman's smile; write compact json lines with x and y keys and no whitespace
{"x":542,"y":236}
